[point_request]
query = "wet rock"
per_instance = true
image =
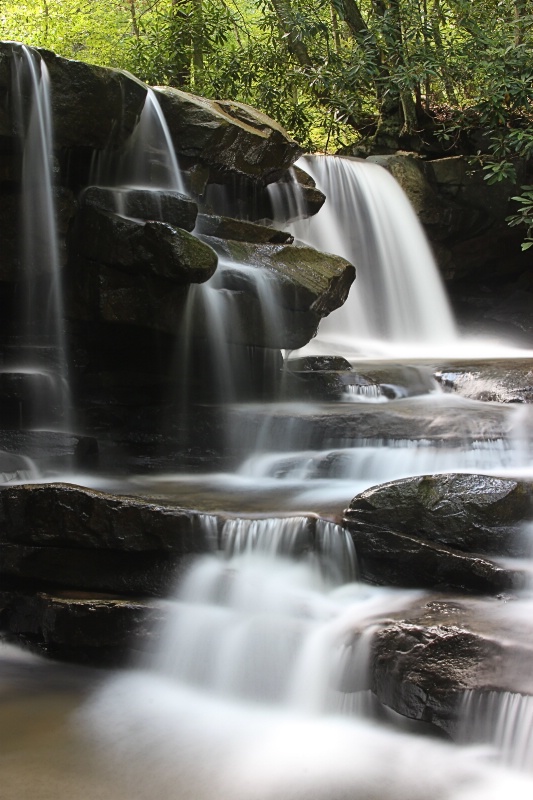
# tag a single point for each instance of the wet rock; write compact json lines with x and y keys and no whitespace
{"x":61,"y":535}
{"x":163,"y":205}
{"x":498,"y":382}
{"x":240,"y":230}
{"x":133,"y":273}
{"x":319,"y":364}
{"x":281,"y":296}
{"x":310,"y":199}
{"x":227,"y":136}
{"x":87,"y":628}
{"x":409,"y":171}
{"x":92,"y":106}
{"x":424,"y":664}
{"x":349,"y":425}
{"x":326,"y":378}
{"x":444,"y":531}
{"x":152,"y":247}
{"x":65,"y":516}
{"x":147,"y":573}
{"x":309,"y":279}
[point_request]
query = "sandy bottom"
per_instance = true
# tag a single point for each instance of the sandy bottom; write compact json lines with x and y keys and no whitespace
{"x":42,"y":755}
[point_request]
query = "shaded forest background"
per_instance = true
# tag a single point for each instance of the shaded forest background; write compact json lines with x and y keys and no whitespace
{"x":436,"y":76}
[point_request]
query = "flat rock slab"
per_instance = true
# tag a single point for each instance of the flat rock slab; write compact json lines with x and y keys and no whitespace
{"x":88,"y":628}
{"x":444,"y":531}
{"x":299,"y":427}
{"x":496,"y":381}
{"x":63,"y":515}
{"x":156,"y":204}
{"x":239,"y":230}
{"x":56,"y":534}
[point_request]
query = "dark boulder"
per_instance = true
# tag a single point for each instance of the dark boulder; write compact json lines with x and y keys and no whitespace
{"x":61,"y":535}
{"x":425,"y":664}
{"x":133,"y":272}
{"x":163,"y":205}
{"x":445,"y":531}
{"x":227,"y":136}
{"x":91,"y":106}
{"x":61,"y":515}
{"x":152,"y":247}
{"x":240,"y":230}
{"x":275,"y":294}
{"x":87,"y":628}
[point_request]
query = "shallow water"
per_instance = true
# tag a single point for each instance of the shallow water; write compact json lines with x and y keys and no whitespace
{"x":42,"y":754}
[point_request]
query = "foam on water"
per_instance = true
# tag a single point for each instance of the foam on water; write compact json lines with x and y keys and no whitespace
{"x":245,"y":699}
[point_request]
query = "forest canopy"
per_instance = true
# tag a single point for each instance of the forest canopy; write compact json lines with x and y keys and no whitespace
{"x":333,"y":73}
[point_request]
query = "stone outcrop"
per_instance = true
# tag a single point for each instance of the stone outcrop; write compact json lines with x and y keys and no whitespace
{"x":127,"y":253}
{"x":133,"y":272}
{"x":239,"y":230}
{"x":227,"y":136}
{"x":92,"y":106}
{"x":494,"y":382}
{"x":86,"y":628}
{"x":283,"y":294}
{"x":163,"y":205}
{"x":443,"y":531}
{"x":66,"y":536}
{"x":424,"y":663}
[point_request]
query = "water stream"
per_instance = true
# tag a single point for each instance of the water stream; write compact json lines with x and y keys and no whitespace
{"x":259,"y":687}
{"x":45,"y":361}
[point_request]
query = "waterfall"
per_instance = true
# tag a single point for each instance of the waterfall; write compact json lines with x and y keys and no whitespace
{"x":397,"y":299}
{"x":148,"y":160}
{"x":503,"y":720}
{"x":260,"y":690}
{"x":42,"y":312}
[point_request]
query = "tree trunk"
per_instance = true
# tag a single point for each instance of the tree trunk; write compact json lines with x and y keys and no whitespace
{"x":134,"y":23}
{"x":437,"y":38}
{"x":296,"y":46}
{"x":519,"y":27}
{"x":198,"y":46}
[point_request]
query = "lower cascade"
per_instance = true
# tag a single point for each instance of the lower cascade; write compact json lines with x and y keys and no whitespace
{"x":302,"y":563}
{"x":261,"y":687}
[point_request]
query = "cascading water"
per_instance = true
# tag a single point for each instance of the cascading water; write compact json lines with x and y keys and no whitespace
{"x":397,"y":299}
{"x":259,"y":689}
{"x":227,"y":321}
{"x":266,"y":648}
{"x":42,"y":318}
{"x":147,"y":161}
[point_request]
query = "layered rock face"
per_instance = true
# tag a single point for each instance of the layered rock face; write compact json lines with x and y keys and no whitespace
{"x":130,"y":248}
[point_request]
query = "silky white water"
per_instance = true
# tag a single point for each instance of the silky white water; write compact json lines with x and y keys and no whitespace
{"x":397,"y":307}
{"x":258,"y":690}
{"x":260,"y":685}
{"x":42,"y":314}
{"x":148,"y":160}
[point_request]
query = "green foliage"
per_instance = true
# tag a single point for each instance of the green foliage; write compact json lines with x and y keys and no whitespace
{"x":97,"y":32}
{"x":524,"y":215}
{"x":331,"y":72}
